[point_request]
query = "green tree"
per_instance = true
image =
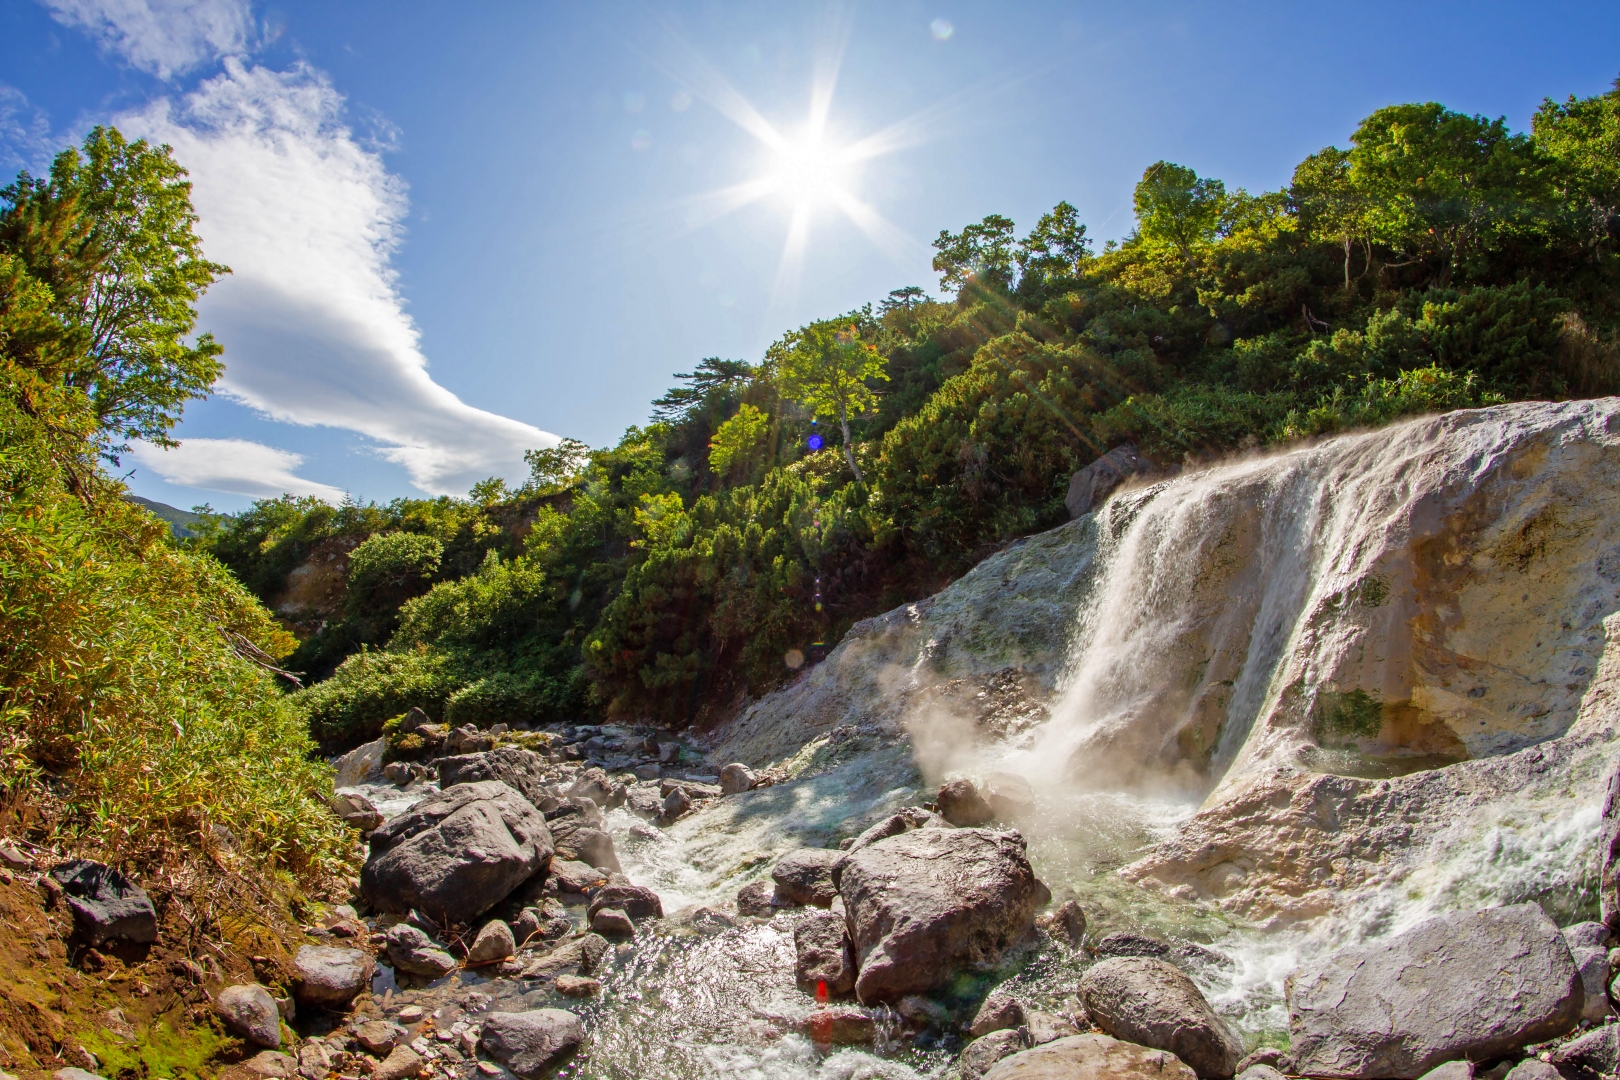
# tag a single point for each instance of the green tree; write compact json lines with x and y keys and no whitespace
{"x":712,"y":377}
{"x":982,"y":253}
{"x":1583,"y":136}
{"x":737,"y":440}
{"x":1175,"y":207}
{"x":555,"y":467}
{"x":1328,"y":203}
{"x":1055,"y":247}
{"x":826,"y":366}
{"x":110,"y":234}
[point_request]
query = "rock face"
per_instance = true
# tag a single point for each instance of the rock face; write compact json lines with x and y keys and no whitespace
{"x":1150,"y":1002}
{"x":1477,"y":986}
{"x":456,"y":854}
{"x":521,"y":770}
{"x":105,"y":904}
{"x":330,"y":978}
{"x":1090,"y":1057}
{"x":928,"y":903}
{"x":250,"y":1011}
{"x":805,"y":876}
{"x":532,"y":1043}
{"x":960,"y":803}
{"x":1094,"y":483}
{"x":825,"y":957}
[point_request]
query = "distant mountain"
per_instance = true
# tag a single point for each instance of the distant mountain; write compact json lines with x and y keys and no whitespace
{"x":179,"y":520}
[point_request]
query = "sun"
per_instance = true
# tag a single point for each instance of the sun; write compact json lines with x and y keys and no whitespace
{"x":808,"y":170}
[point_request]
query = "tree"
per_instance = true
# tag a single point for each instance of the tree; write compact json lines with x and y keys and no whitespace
{"x":1583,"y":137}
{"x":1328,"y":203}
{"x":736,"y":441}
{"x":555,"y":467}
{"x":981,"y":253}
{"x":110,"y":234}
{"x":1175,"y":207}
{"x":712,"y":377}
{"x":1055,"y":246}
{"x":826,"y":367}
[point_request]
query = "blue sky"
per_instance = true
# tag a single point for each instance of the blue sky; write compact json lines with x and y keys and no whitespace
{"x":459,"y":231}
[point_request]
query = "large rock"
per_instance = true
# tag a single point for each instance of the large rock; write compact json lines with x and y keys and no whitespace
{"x":105,"y":904}
{"x":1094,"y":483}
{"x":356,"y":811}
{"x":521,"y":770}
{"x":250,"y":1011}
{"x":737,"y":778}
{"x":362,"y":765}
{"x":928,"y":903}
{"x":1593,"y":1056}
{"x":1150,"y":1002}
{"x":533,"y":1043}
{"x":1478,"y":986}
{"x":635,"y":901}
{"x":1090,"y":1057}
{"x":805,"y":876}
{"x":456,"y":854}
{"x":410,"y":950}
{"x":825,"y":957}
{"x":982,"y":1053}
{"x":325,"y":977}
{"x":960,"y":803}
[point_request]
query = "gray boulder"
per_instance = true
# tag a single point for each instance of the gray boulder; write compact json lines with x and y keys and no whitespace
{"x":325,"y":977}
{"x":825,"y":958}
{"x":1451,"y":1070}
{"x":960,"y":803}
{"x":1533,"y":1069}
{"x":533,"y":1043}
{"x":456,"y":854}
{"x":1094,"y":483}
{"x":1090,"y":1057}
{"x":736,"y":778}
{"x":1150,"y":1002}
{"x":757,"y":898}
{"x":980,"y":1054}
{"x":928,"y":903}
{"x":1476,"y":986}
{"x":634,"y":900}
{"x":1592,"y":1056}
{"x":805,"y":876}
{"x":1001,"y":1010}
{"x":250,"y":1011}
{"x":494,"y":942}
{"x":410,"y":950}
{"x":356,"y":811}
{"x":521,"y":770}
{"x":105,"y":904}
{"x":1067,"y":923}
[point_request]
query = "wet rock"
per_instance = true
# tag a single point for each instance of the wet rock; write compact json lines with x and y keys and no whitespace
{"x":757,"y":898}
{"x":532,"y":1043}
{"x":402,"y":1062}
{"x":1592,"y":1056}
{"x":456,"y":854}
{"x":841,"y":1025}
{"x":634,"y":900}
{"x":1010,"y":796}
{"x":398,"y":773}
{"x":1150,"y":1002}
{"x":1090,"y":1057}
{"x":675,"y":805}
{"x":579,"y":955}
{"x":325,"y":977}
{"x":573,"y":812}
{"x":576,"y":877}
{"x":1001,"y":1010}
{"x":1091,"y":485}
{"x":805,"y":876}
{"x":493,"y":943}
{"x":1043,"y":1027}
{"x":270,"y":1064}
{"x":960,"y":803}
{"x":250,"y":1011}
{"x":526,"y":925}
{"x":1066,"y":924}
{"x":736,"y":778}
{"x":521,"y":770}
{"x":986,"y":1050}
{"x":613,"y":922}
{"x":912,"y":817}
{"x":410,"y":950}
{"x":1130,"y":943}
{"x":928,"y":903}
{"x":1471,"y":985}
{"x":593,"y":784}
{"x":588,"y":845}
{"x":356,"y":811}
{"x":105,"y":904}
{"x":379,"y":1036}
{"x":644,"y":801}
{"x":825,"y":957}
{"x":577,"y":986}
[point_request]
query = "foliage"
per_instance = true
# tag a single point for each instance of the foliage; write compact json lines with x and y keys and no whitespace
{"x":737,"y":441}
{"x":828,"y":368}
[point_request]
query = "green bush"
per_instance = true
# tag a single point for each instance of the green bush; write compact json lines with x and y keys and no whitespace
{"x":371,"y":687}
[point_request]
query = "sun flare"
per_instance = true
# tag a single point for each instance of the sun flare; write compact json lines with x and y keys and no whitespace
{"x":809,"y":171}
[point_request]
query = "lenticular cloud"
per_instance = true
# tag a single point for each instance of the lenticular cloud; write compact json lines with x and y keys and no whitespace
{"x":314,"y":330}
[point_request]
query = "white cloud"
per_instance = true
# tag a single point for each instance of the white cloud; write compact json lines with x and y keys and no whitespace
{"x":237,"y":466}
{"x":313,"y":327}
{"x":25,"y":133}
{"x":164,"y":37}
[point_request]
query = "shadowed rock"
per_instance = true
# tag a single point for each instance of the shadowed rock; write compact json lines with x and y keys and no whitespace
{"x":1090,"y":1057}
{"x":1150,"y":1002}
{"x":805,"y":876}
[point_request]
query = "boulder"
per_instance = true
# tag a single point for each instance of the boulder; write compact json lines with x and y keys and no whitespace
{"x":468,"y":740}
{"x":250,"y":1011}
{"x":960,"y":803}
{"x":1000,"y":1011}
{"x":757,"y":898}
{"x":1593,"y":966}
{"x":105,"y":904}
{"x":612,"y":922}
{"x":634,"y":900}
{"x":1045,"y":1027}
{"x":362,"y":765}
{"x":1130,"y":943}
{"x":532,"y":1043}
{"x":928,"y":903}
{"x":986,"y":1050}
{"x":401,"y":1063}
{"x":494,"y":942}
{"x":1090,"y":1057}
{"x":675,"y":804}
{"x":593,"y":784}
{"x":1150,"y":1002}
{"x":588,"y":845}
{"x":1094,"y":483}
{"x":356,"y":811}
{"x":1533,"y":1069}
{"x":379,"y":1036}
{"x":841,"y":1025}
{"x":456,"y":854}
{"x":825,"y":963}
{"x":573,"y":811}
{"x":1479,"y":986}
{"x":1066,"y":924}
{"x":576,"y":877}
{"x":581,"y":954}
{"x":1593,"y":1056}
{"x":410,"y":950}
{"x":577,"y":986}
{"x":644,"y":801}
{"x":526,"y":925}
{"x":1010,"y":796}
{"x":270,"y":1064}
{"x":1451,"y":1070}
{"x":805,"y":876}
{"x":325,"y":977}
{"x":1265,"y":1072}
{"x":912,"y":817}
{"x":521,"y":770}
{"x":737,"y":778}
